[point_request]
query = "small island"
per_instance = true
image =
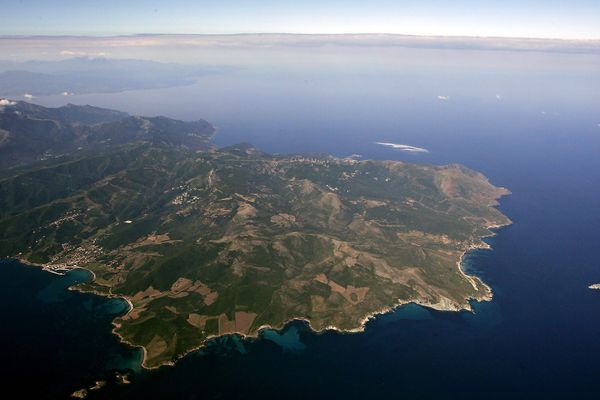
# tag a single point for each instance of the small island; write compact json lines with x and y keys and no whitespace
{"x":204,"y":242}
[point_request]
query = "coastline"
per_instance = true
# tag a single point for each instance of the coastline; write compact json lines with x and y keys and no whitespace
{"x":445,"y":306}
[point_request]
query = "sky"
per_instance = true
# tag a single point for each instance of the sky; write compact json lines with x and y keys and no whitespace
{"x":564,"y":19}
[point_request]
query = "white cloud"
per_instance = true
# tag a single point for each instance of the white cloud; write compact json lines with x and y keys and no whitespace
{"x":404,"y":147}
{"x":6,"y":102}
{"x":554,"y":113}
{"x":71,"y":53}
{"x":67,"y":94}
{"x":498,"y":97}
{"x":75,"y":53}
{"x":28,"y":96}
{"x":443,"y":98}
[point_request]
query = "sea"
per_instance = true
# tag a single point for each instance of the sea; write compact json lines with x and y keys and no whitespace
{"x":529,"y":121}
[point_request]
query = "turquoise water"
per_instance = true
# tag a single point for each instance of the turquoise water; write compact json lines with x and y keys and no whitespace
{"x":288,"y":340}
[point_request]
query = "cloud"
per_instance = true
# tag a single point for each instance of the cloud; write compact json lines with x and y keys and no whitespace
{"x":404,"y":147}
{"x":498,"y":97}
{"x":5,"y":103}
{"x":306,"y":41}
{"x":554,"y":113}
{"x":71,"y":53}
{"x":28,"y":96}
{"x":74,"y":53}
{"x":443,"y":98}
{"x":67,"y":93}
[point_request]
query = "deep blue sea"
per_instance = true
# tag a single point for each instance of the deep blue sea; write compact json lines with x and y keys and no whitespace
{"x":528,"y":122}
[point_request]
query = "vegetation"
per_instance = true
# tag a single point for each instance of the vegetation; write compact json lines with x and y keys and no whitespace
{"x":213,"y":242}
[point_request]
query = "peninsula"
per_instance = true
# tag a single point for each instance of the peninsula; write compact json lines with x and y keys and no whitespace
{"x":205,"y":242}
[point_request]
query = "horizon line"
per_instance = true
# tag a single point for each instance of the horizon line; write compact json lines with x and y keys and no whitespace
{"x":438,"y":36}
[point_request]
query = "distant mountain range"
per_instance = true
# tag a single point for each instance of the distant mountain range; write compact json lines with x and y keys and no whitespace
{"x":94,"y":75}
{"x":29,"y":132}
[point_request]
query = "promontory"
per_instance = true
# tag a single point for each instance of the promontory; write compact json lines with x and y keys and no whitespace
{"x":205,"y":242}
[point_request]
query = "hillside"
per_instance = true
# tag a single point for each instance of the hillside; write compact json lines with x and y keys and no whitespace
{"x":30,"y":133}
